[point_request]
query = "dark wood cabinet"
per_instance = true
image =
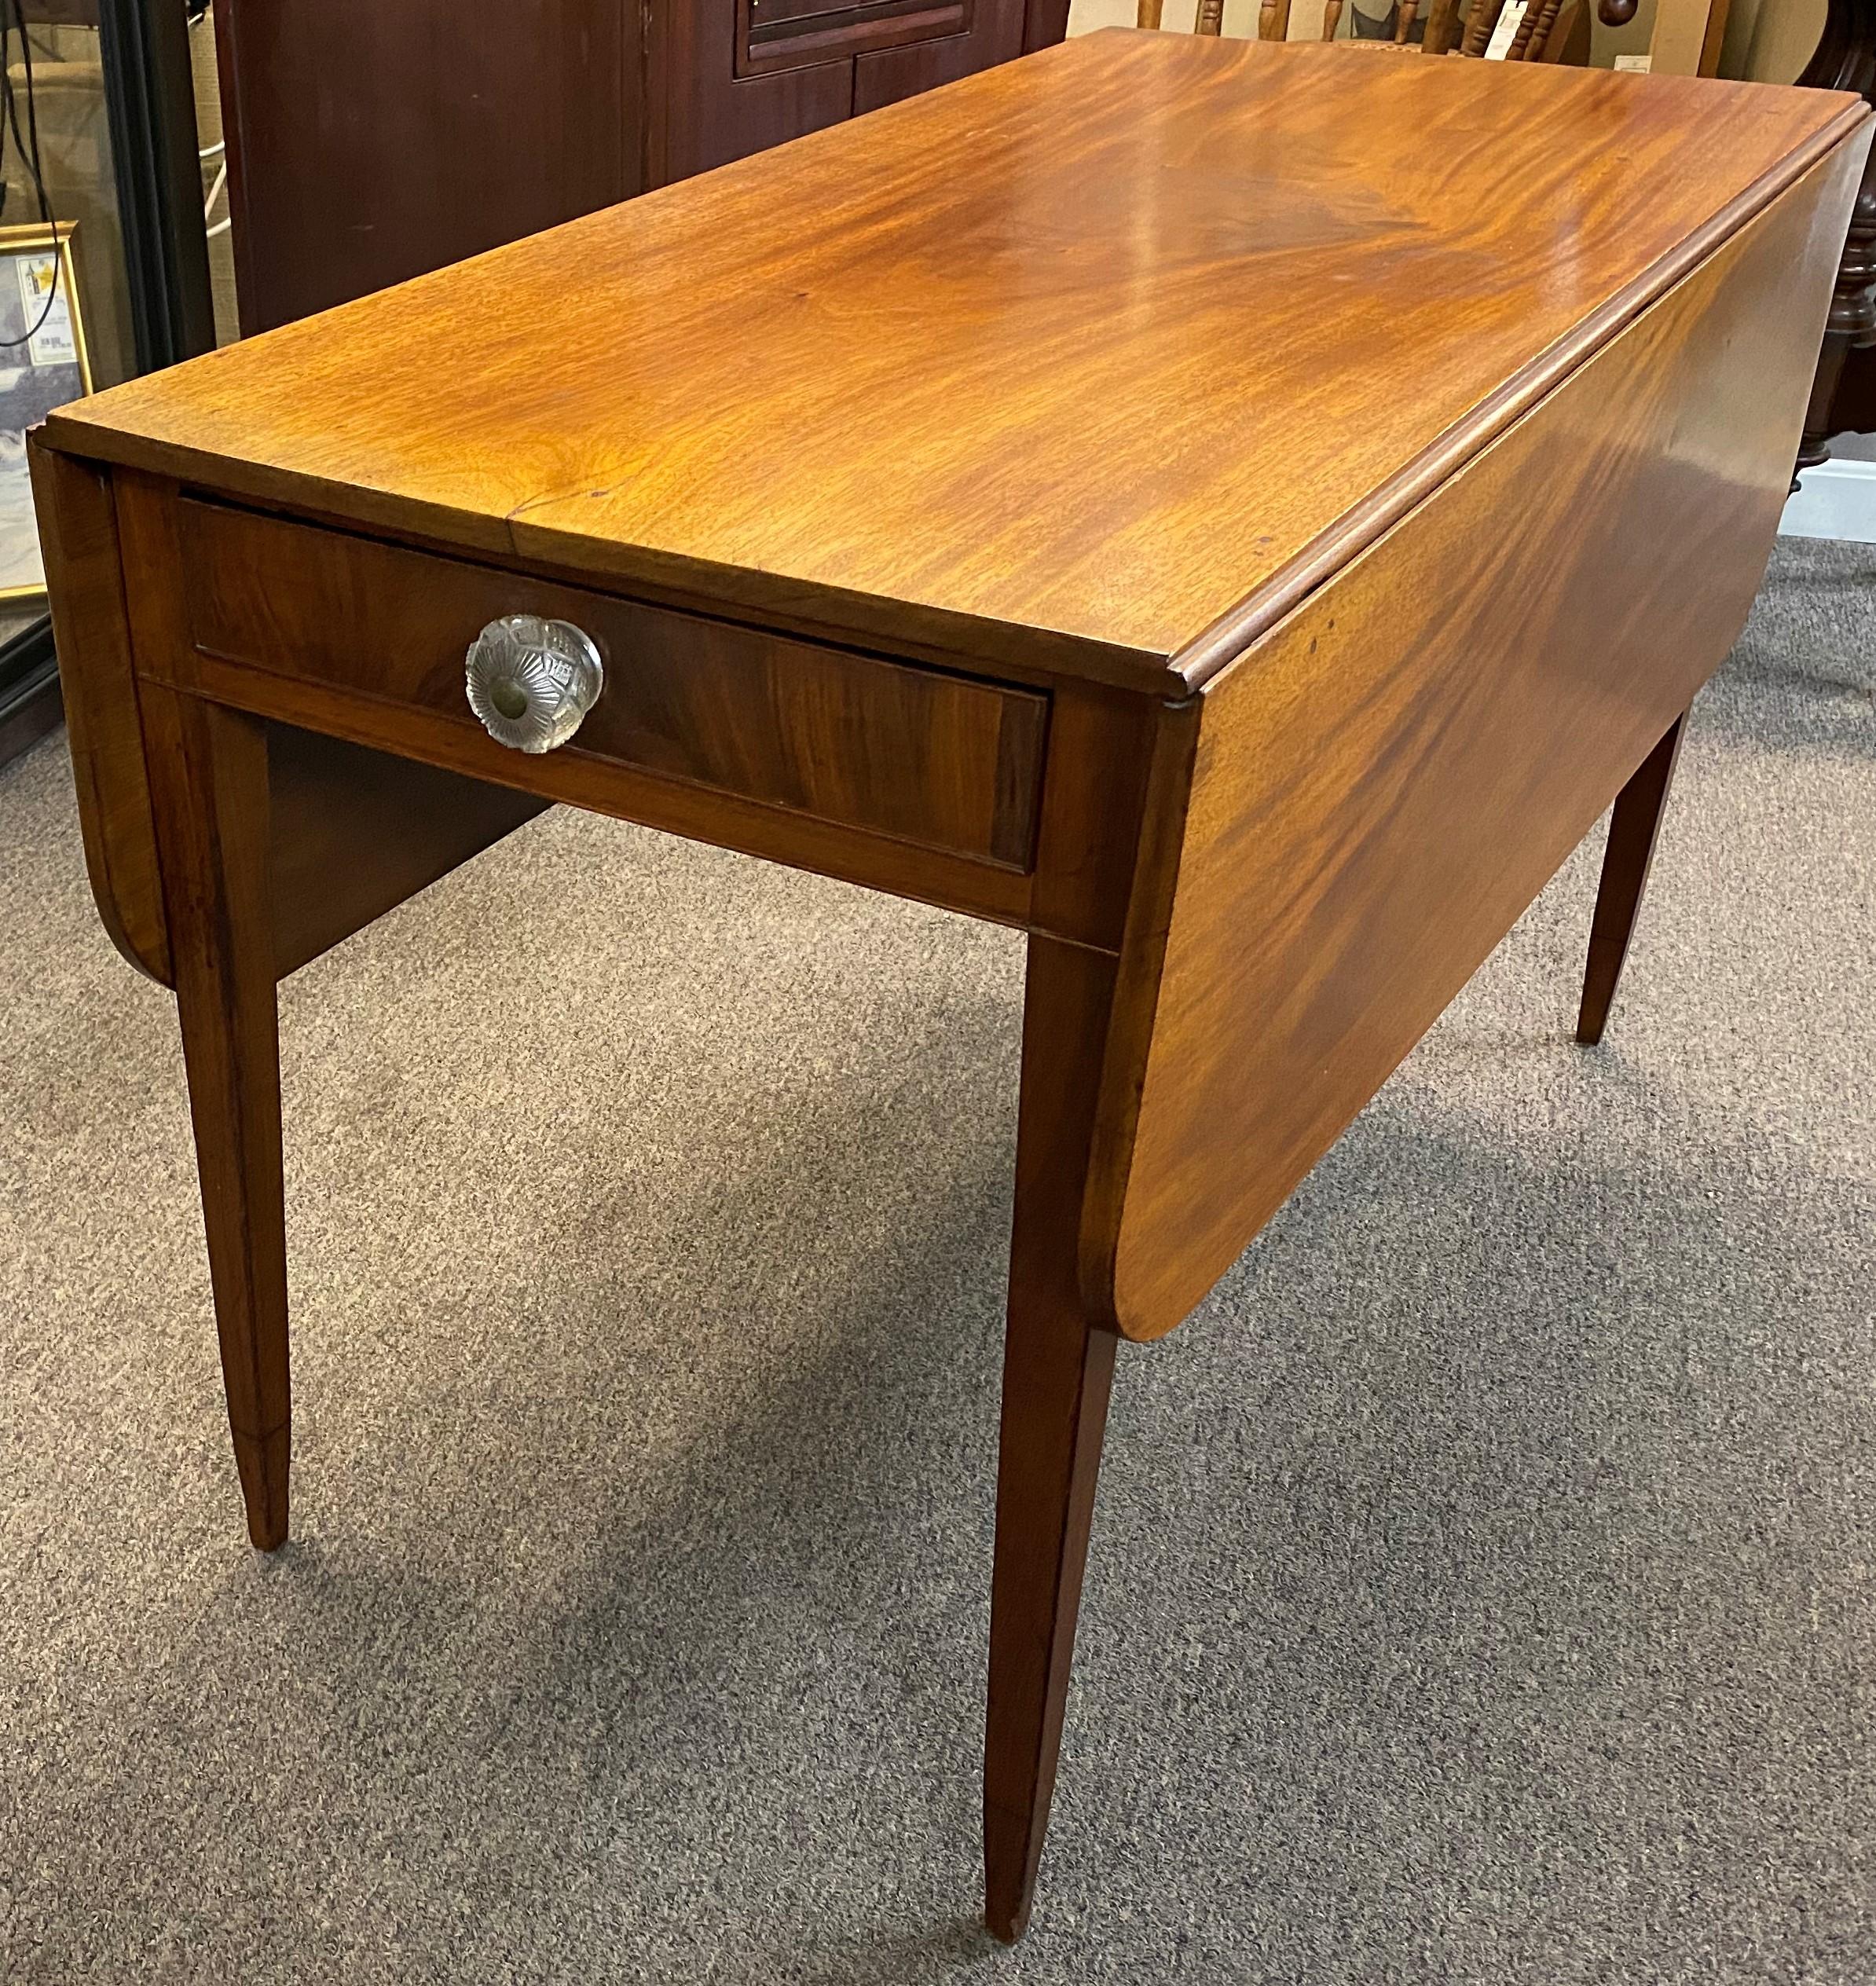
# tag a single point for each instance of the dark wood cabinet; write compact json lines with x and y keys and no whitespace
{"x":369,"y":143}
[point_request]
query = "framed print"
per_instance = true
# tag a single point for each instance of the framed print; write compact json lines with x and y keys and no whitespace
{"x":43,"y":363}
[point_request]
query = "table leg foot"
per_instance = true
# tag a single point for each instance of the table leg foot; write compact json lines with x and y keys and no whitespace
{"x":262,"y":1463}
{"x":1057,"y":1371}
{"x":1632,"y":830}
{"x":208,"y":778}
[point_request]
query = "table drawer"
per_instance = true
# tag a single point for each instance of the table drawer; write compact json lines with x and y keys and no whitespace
{"x":944,"y":761}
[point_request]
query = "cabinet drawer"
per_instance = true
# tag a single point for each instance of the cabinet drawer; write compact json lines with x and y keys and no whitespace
{"x":947,"y":762}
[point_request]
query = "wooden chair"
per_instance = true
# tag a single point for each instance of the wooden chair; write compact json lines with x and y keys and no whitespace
{"x":1542,"y":36}
{"x":1211,"y":18}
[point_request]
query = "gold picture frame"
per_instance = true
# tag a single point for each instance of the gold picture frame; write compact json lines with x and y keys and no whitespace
{"x":50,"y":366}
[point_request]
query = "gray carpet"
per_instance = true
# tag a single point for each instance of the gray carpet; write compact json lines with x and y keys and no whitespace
{"x":1482,"y":1587}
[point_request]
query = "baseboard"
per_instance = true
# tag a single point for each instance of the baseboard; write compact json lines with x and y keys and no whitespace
{"x":30,"y":706}
{"x":1836,"y":499}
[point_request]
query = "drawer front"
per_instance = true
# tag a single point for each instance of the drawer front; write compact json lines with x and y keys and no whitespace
{"x":942,"y":761}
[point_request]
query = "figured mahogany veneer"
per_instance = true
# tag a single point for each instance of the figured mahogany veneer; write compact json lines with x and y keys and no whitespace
{"x":949,"y":762}
{"x":1354,"y":772}
{"x":1040,"y":524}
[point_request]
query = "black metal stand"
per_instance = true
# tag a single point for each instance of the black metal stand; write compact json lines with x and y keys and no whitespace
{"x":30,"y":706}
{"x":150,"y":98}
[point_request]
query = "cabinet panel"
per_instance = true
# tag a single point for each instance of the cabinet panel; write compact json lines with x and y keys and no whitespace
{"x":703,"y":114}
{"x":369,"y":142}
{"x":794,"y":34}
{"x":995,"y":35}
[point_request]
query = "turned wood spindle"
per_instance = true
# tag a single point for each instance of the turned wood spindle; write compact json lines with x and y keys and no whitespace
{"x":1442,"y":19}
{"x":1479,"y":24}
{"x":1332,"y":20}
{"x":1404,"y":20}
{"x":1538,"y":39}
{"x":1211,"y":17}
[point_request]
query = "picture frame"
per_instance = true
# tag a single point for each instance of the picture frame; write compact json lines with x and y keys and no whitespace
{"x":39,"y":305}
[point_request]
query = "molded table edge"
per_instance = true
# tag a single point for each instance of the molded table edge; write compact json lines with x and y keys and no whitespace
{"x":1241,"y":626}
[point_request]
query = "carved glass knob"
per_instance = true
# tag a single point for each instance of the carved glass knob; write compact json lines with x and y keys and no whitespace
{"x":532,"y":681}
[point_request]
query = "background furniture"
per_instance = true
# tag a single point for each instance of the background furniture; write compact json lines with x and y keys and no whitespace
{"x":1545,"y":30}
{"x":1265,"y":746}
{"x":1686,"y":36}
{"x":1843,"y":397}
{"x":368,"y":143}
{"x":1551,"y":30}
{"x":116,"y":140}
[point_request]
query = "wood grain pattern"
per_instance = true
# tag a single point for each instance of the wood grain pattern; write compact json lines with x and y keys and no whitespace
{"x":208,"y":772}
{"x":1386,"y":781}
{"x":955,"y":882}
{"x":984,"y":298}
{"x":1627,"y":859}
{"x":352,"y":833}
{"x":893,"y":74}
{"x":923,"y":756}
{"x":77,"y":532}
{"x":1058,"y":1366}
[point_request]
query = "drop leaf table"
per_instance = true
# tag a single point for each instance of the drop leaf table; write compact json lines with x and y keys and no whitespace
{"x":1013,"y":500}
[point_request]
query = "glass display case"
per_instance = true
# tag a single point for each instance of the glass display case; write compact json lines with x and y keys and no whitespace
{"x":104,"y":256}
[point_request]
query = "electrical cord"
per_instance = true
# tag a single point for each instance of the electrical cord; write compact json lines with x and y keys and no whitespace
{"x":13,"y":14}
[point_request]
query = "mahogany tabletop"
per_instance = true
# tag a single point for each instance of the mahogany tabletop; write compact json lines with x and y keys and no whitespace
{"x":1075,"y":360}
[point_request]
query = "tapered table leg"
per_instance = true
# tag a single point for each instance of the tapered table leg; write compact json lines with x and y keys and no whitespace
{"x":208,"y":770}
{"x":1057,"y":1369}
{"x":1626,"y":861}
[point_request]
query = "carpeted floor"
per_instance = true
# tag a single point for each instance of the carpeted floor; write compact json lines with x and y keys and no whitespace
{"x":1481,"y":1589}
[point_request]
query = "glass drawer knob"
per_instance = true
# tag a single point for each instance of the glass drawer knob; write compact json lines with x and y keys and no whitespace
{"x":531,"y":681}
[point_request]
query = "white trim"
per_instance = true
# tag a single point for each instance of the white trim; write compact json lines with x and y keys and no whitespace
{"x":1837,"y":500}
